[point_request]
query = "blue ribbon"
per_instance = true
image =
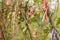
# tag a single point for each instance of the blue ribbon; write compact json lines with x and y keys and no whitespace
{"x":54,"y":34}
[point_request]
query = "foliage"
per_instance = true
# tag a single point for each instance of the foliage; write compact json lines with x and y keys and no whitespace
{"x":16,"y":23}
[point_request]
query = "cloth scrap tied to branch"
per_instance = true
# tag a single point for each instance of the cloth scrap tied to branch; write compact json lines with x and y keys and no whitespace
{"x":54,"y":34}
{"x":45,"y":7}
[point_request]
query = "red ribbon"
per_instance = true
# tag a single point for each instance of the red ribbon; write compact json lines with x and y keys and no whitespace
{"x":45,"y":7}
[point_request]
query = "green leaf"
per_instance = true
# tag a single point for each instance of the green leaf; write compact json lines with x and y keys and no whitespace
{"x":58,"y":21}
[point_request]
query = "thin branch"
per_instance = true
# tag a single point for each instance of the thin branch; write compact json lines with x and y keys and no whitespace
{"x":26,"y":20}
{"x":27,"y":26}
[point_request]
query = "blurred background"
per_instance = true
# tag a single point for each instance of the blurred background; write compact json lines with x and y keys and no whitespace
{"x":25,"y":19}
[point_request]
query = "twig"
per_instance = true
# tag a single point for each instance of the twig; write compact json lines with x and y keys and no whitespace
{"x":26,"y":20}
{"x":27,"y":26}
{"x":3,"y":32}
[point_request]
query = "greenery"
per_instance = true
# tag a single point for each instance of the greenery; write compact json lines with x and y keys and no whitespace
{"x":21,"y":22}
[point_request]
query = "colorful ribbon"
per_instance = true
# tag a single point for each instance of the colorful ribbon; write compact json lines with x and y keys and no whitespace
{"x":54,"y":34}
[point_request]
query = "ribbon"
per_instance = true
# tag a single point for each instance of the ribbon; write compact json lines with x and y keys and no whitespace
{"x":54,"y":34}
{"x":45,"y":7}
